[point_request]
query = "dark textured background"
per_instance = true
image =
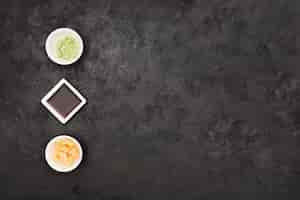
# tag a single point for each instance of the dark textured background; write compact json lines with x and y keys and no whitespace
{"x":187,"y":99}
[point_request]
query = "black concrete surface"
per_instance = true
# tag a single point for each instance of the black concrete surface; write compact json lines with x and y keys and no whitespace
{"x":187,"y":99}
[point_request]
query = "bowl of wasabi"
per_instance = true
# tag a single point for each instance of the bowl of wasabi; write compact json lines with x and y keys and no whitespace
{"x":64,"y":46}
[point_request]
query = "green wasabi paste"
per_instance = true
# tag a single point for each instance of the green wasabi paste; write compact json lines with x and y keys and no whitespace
{"x":67,"y":48}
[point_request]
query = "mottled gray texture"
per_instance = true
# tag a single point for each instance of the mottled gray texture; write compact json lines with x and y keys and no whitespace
{"x":187,"y":99}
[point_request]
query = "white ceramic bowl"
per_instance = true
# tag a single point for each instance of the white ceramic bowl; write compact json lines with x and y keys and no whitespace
{"x":51,"y":42}
{"x":49,"y":151}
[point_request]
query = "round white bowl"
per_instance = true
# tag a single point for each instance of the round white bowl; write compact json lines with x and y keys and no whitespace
{"x":49,"y":150}
{"x":50,"y":45}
